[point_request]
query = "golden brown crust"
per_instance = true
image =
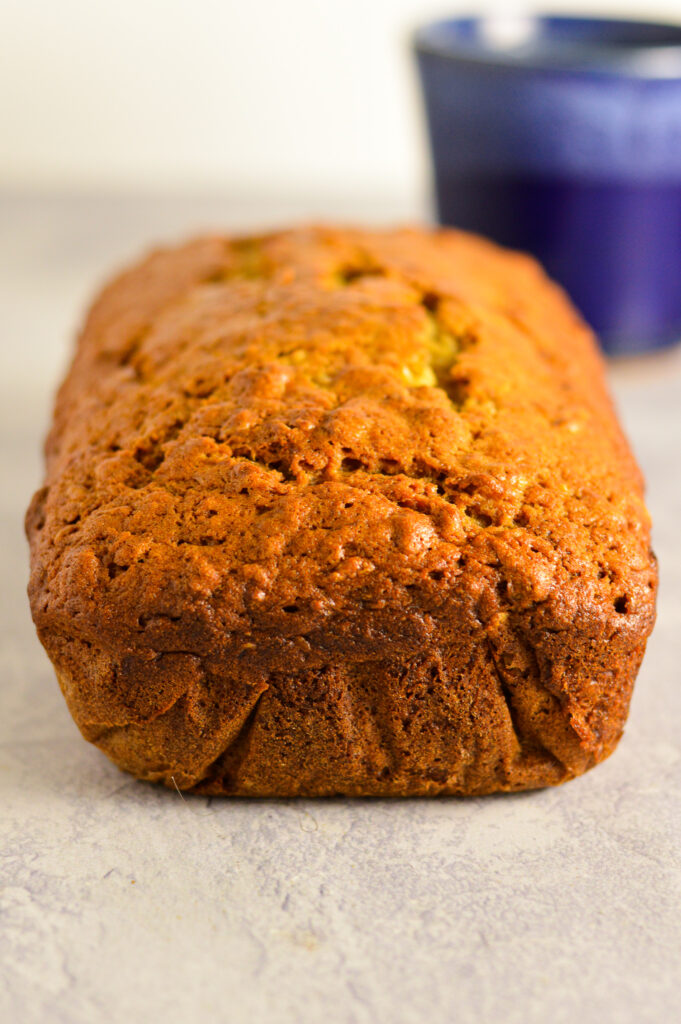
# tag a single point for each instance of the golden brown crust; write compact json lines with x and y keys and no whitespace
{"x":338,"y":511}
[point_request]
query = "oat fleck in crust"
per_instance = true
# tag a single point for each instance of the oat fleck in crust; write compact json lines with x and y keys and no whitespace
{"x":334,"y":511}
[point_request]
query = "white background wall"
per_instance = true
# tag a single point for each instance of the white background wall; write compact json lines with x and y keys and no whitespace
{"x":243,"y":95}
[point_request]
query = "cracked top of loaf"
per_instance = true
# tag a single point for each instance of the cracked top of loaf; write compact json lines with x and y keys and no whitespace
{"x":313,"y":443}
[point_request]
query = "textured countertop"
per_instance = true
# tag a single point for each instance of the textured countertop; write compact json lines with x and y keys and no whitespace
{"x":123,"y":902}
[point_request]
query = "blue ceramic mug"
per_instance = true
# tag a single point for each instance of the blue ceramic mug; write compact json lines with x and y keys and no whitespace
{"x":562,"y":136}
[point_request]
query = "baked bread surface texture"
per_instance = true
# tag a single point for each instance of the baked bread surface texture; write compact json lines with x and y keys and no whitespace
{"x":334,"y":511}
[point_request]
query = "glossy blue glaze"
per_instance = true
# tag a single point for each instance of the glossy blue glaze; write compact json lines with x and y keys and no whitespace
{"x":564,"y":139}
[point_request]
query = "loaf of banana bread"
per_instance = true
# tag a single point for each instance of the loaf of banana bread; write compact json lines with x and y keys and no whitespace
{"x":335,"y":511}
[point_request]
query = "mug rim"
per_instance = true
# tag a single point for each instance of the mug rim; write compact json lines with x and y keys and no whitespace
{"x":445,"y":38}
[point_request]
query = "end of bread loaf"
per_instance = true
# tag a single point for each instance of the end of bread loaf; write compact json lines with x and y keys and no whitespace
{"x":331,"y":511}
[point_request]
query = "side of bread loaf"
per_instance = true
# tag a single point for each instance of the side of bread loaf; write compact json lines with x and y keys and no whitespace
{"x":336,"y":511}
